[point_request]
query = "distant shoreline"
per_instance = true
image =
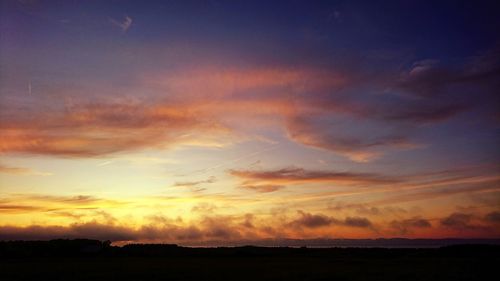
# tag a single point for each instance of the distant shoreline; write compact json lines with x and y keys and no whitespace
{"x":309,"y":243}
{"x":345,"y":243}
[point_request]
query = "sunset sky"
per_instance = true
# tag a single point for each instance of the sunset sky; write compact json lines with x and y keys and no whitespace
{"x":192,"y":121}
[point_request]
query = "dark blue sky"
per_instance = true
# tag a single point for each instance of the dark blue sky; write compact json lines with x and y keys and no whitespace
{"x":445,"y":29}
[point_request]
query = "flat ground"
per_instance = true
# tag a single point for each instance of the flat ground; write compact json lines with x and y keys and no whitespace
{"x":250,"y":268}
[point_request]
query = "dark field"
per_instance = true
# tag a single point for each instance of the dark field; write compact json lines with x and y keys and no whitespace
{"x":248,"y":268}
{"x":153,"y":262}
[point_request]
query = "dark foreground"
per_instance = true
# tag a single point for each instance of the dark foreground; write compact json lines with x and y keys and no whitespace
{"x":93,"y":260}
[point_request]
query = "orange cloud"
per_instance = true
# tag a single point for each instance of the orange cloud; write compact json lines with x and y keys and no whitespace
{"x":299,"y":176}
{"x":50,"y":203}
{"x":21,"y":171}
{"x":198,"y":105}
{"x":215,"y":82}
{"x":98,"y":129}
{"x":263,"y":187}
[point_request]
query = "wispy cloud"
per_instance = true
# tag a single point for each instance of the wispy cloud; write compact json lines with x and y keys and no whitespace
{"x":270,"y":180}
{"x":50,"y":203}
{"x":307,"y":102}
{"x":124,"y":24}
{"x":98,"y":129}
{"x":263,"y":188}
{"x":356,"y":148}
{"x":22,"y":171}
{"x":211,"y":179}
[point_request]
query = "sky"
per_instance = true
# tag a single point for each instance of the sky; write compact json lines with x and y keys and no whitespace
{"x":196,"y":121}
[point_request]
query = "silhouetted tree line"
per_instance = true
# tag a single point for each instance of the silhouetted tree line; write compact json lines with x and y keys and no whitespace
{"x":95,"y":248}
{"x":54,"y":248}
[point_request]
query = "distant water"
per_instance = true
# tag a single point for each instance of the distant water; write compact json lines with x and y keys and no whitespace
{"x":347,"y":243}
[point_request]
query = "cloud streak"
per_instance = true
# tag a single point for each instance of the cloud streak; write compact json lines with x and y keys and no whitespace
{"x":21,"y":171}
{"x":36,"y":203}
{"x":355,"y":148}
{"x":270,"y":179}
{"x":99,"y":129}
{"x":124,"y":25}
{"x":195,"y":183}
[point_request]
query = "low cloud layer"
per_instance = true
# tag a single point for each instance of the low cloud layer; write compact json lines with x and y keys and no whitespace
{"x":210,"y":226}
{"x":309,"y":220}
{"x":407,"y":225}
